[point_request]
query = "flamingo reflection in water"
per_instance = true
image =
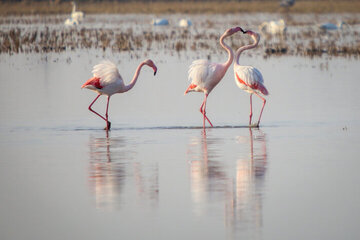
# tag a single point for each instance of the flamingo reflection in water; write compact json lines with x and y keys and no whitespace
{"x":245,"y":199}
{"x":113,"y":168}
{"x":213,"y":178}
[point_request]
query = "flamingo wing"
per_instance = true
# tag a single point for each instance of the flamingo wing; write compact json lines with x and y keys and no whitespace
{"x":108,"y":73}
{"x":251,"y":78}
{"x":201,"y":71}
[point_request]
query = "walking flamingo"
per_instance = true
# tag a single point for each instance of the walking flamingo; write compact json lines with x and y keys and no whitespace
{"x":107,"y":81}
{"x":205,"y":75}
{"x":249,"y":78}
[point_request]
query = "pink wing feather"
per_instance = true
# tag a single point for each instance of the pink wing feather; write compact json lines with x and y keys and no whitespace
{"x":251,"y":77}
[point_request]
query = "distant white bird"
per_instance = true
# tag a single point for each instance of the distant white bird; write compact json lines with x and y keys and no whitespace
{"x":76,"y":15}
{"x":160,"y":22}
{"x":273,"y":27}
{"x":70,"y":22}
{"x":185,"y":23}
{"x":287,"y":3}
{"x":331,"y":26}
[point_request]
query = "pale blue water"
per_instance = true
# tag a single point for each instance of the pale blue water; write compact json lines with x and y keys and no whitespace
{"x":156,"y":175}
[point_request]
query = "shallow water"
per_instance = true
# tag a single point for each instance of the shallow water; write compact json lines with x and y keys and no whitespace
{"x":156,"y":174}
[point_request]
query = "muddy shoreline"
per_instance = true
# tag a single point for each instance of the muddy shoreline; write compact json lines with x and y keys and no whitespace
{"x":188,"y":7}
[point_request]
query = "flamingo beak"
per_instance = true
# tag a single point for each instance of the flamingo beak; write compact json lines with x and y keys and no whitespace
{"x":237,"y":29}
{"x":155,"y":70}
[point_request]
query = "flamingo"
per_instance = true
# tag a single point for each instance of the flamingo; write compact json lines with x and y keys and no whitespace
{"x":107,"y":81}
{"x":205,"y":75}
{"x":77,"y":15}
{"x":249,"y":78}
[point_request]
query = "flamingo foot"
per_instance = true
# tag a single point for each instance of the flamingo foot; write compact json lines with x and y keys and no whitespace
{"x":255,"y":125}
{"x":108,"y":126}
{"x":210,"y":122}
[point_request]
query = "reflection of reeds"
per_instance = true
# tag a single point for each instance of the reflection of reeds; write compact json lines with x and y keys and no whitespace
{"x":180,"y":46}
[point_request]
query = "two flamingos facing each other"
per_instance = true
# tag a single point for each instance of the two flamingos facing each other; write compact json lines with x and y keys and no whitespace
{"x":107,"y":81}
{"x":205,"y":75}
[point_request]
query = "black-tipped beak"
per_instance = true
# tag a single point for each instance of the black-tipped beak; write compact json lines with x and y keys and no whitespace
{"x":155,"y":69}
{"x":242,"y":30}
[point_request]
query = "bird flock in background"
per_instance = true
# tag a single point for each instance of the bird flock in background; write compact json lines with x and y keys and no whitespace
{"x":76,"y":17}
{"x":204,"y":76}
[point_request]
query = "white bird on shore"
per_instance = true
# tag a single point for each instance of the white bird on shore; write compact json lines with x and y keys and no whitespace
{"x":185,"y":23}
{"x":160,"y":22}
{"x":70,"y":22}
{"x":273,"y":27}
{"x":287,"y":3}
{"x":331,"y":26}
{"x":76,"y":15}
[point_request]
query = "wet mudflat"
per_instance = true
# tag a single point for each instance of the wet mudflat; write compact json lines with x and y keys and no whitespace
{"x":156,"y":174}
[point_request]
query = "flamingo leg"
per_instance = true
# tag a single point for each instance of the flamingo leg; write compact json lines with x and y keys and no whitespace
{"x":250,"y":116}
{"x":203,"y":111}
{"x":264,"y":102}
{"x":108,"y":124}
{"x":93,"y":110}
{"x":105,"y":119}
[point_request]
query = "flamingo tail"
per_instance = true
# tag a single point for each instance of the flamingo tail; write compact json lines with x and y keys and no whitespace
{"x":190,"y":88}
{"x":263,"y":89}
{"x":94,"y":81}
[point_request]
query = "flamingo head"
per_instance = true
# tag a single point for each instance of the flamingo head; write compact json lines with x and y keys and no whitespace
{"x":254,"y":35}
{"x":151,"y":64}
{"x":231,"y":31}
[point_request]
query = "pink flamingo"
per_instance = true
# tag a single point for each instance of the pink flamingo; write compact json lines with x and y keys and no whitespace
{"x":107,"y":81}
{"x":249,"y":78}
{"x":205,"y":75}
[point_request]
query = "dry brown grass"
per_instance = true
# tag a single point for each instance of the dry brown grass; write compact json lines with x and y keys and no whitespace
{"x":325,"y":6}
{"x":307,"y":42}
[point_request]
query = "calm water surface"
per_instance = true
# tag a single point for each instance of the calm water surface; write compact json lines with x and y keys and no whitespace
{"x":157,"y":175}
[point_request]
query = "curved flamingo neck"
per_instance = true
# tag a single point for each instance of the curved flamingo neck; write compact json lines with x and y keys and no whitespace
{"x":246,"y":47}
{"x":136,"y":75}
{"x":229,"y":50}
